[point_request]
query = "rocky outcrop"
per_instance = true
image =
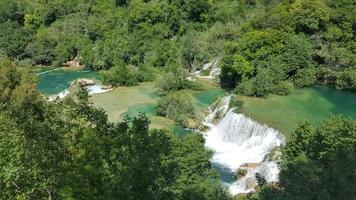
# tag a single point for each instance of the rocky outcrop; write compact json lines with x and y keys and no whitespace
{"x":250,"y":165}
{"x":240,"y":173}
{"x":73,"y":63}
{"x":85,"y":82}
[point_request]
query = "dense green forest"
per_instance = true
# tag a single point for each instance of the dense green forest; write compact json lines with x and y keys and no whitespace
{"x":266,"y":46}
{"x":70,"y":150}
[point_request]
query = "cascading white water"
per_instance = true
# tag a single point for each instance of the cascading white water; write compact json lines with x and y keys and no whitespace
{"x":96,"y":89}
{"x":212,"y":66}
{"x":238,"y":141}
{"x":60,"y":95}
{"x":92,"y":89}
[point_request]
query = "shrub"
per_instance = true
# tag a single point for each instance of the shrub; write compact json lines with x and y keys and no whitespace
{"x":283,"y":88}
{"x":175,"y":80}
{"x":346,"y":80}
{"x":177,"y":106}
{"x":120,"y":75}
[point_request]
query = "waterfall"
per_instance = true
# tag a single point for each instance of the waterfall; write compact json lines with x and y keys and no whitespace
{"x":239,"y":142}
{"x":60,"y":95}
{"x":92,"y":89}
{"x":97,"y":89}
{"x":212,"y":66}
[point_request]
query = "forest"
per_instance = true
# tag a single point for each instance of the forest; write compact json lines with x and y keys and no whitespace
{"x":69,"y":149}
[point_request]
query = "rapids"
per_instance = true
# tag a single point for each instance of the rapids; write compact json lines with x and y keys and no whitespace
{"x":240,"y":142}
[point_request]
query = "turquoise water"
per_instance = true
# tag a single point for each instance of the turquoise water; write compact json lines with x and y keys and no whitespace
{"x":148,"y":109}
{"x":308,"y":104}
{"x":181,"y":131}
{"x":55,"y":81}
{"x":208,"y":97}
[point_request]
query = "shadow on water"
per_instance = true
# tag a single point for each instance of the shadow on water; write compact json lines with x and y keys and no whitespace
{"x":226,"y":175}
{"x":342,"y":102}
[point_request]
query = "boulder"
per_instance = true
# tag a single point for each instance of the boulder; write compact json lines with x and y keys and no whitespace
{"x":274,"y":155}
{"x":85,"y":82}
{"x":240,"y":173}
{"x":250,"y":165}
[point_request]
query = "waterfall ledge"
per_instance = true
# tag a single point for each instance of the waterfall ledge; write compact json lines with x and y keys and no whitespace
{"x":240,"y":142}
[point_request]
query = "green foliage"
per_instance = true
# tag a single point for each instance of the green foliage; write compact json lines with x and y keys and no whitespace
{"x":174,"y":80}
{"x":261,"y":61}
{"x":346,"y":80}
{"x":69,"y":150}
{"x":283,"y":88}
{"x":13,"y":39}
{"x":309,"y":15}
{"x":120,"y":75}
{"x":290,"y":38}
{"x":317,"y":163}
{"x":177,"y":106}
{"x":234,"y":70}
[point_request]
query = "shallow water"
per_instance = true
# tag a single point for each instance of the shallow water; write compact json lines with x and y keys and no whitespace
{"x":308,"y":104}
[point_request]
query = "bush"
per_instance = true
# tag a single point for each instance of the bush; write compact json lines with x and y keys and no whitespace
{"x":283,"y":88}
{"x":176,"y":106}
{"x":120,"y":75}
{"x":175,"y":80}
{"x":146,"y":73}
{"x":346,"y":80}
{"x":245,"y":88}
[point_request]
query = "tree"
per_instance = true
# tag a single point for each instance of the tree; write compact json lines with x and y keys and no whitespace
{"x":309,"y":15}
{"x":120,"y":75}
{"x":13,"y":39}
{"x":319,"y":163}
{"x":177,"y":106}
{"x":69,"y":150}
{"x":234,"y":70}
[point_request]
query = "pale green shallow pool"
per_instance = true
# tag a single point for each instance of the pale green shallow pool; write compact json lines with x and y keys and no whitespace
{"x":308,"y":104}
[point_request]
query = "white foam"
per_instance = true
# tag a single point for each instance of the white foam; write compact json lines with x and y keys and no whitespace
{"x":60,"y":95}
{"x":96,"y":89}
{"x":237,"y":140}
{"x":45,"y":72}
{"x":212,"y":66}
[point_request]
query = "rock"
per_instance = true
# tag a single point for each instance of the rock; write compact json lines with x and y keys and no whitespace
{"x":73,"y":63}
{"x":240,"y":173}
{"x":251,"y":183}
{"x":85,"y":82}
{"x":250,"y":165}
{"x":274,"y":155}
{"x":194,"y":123}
